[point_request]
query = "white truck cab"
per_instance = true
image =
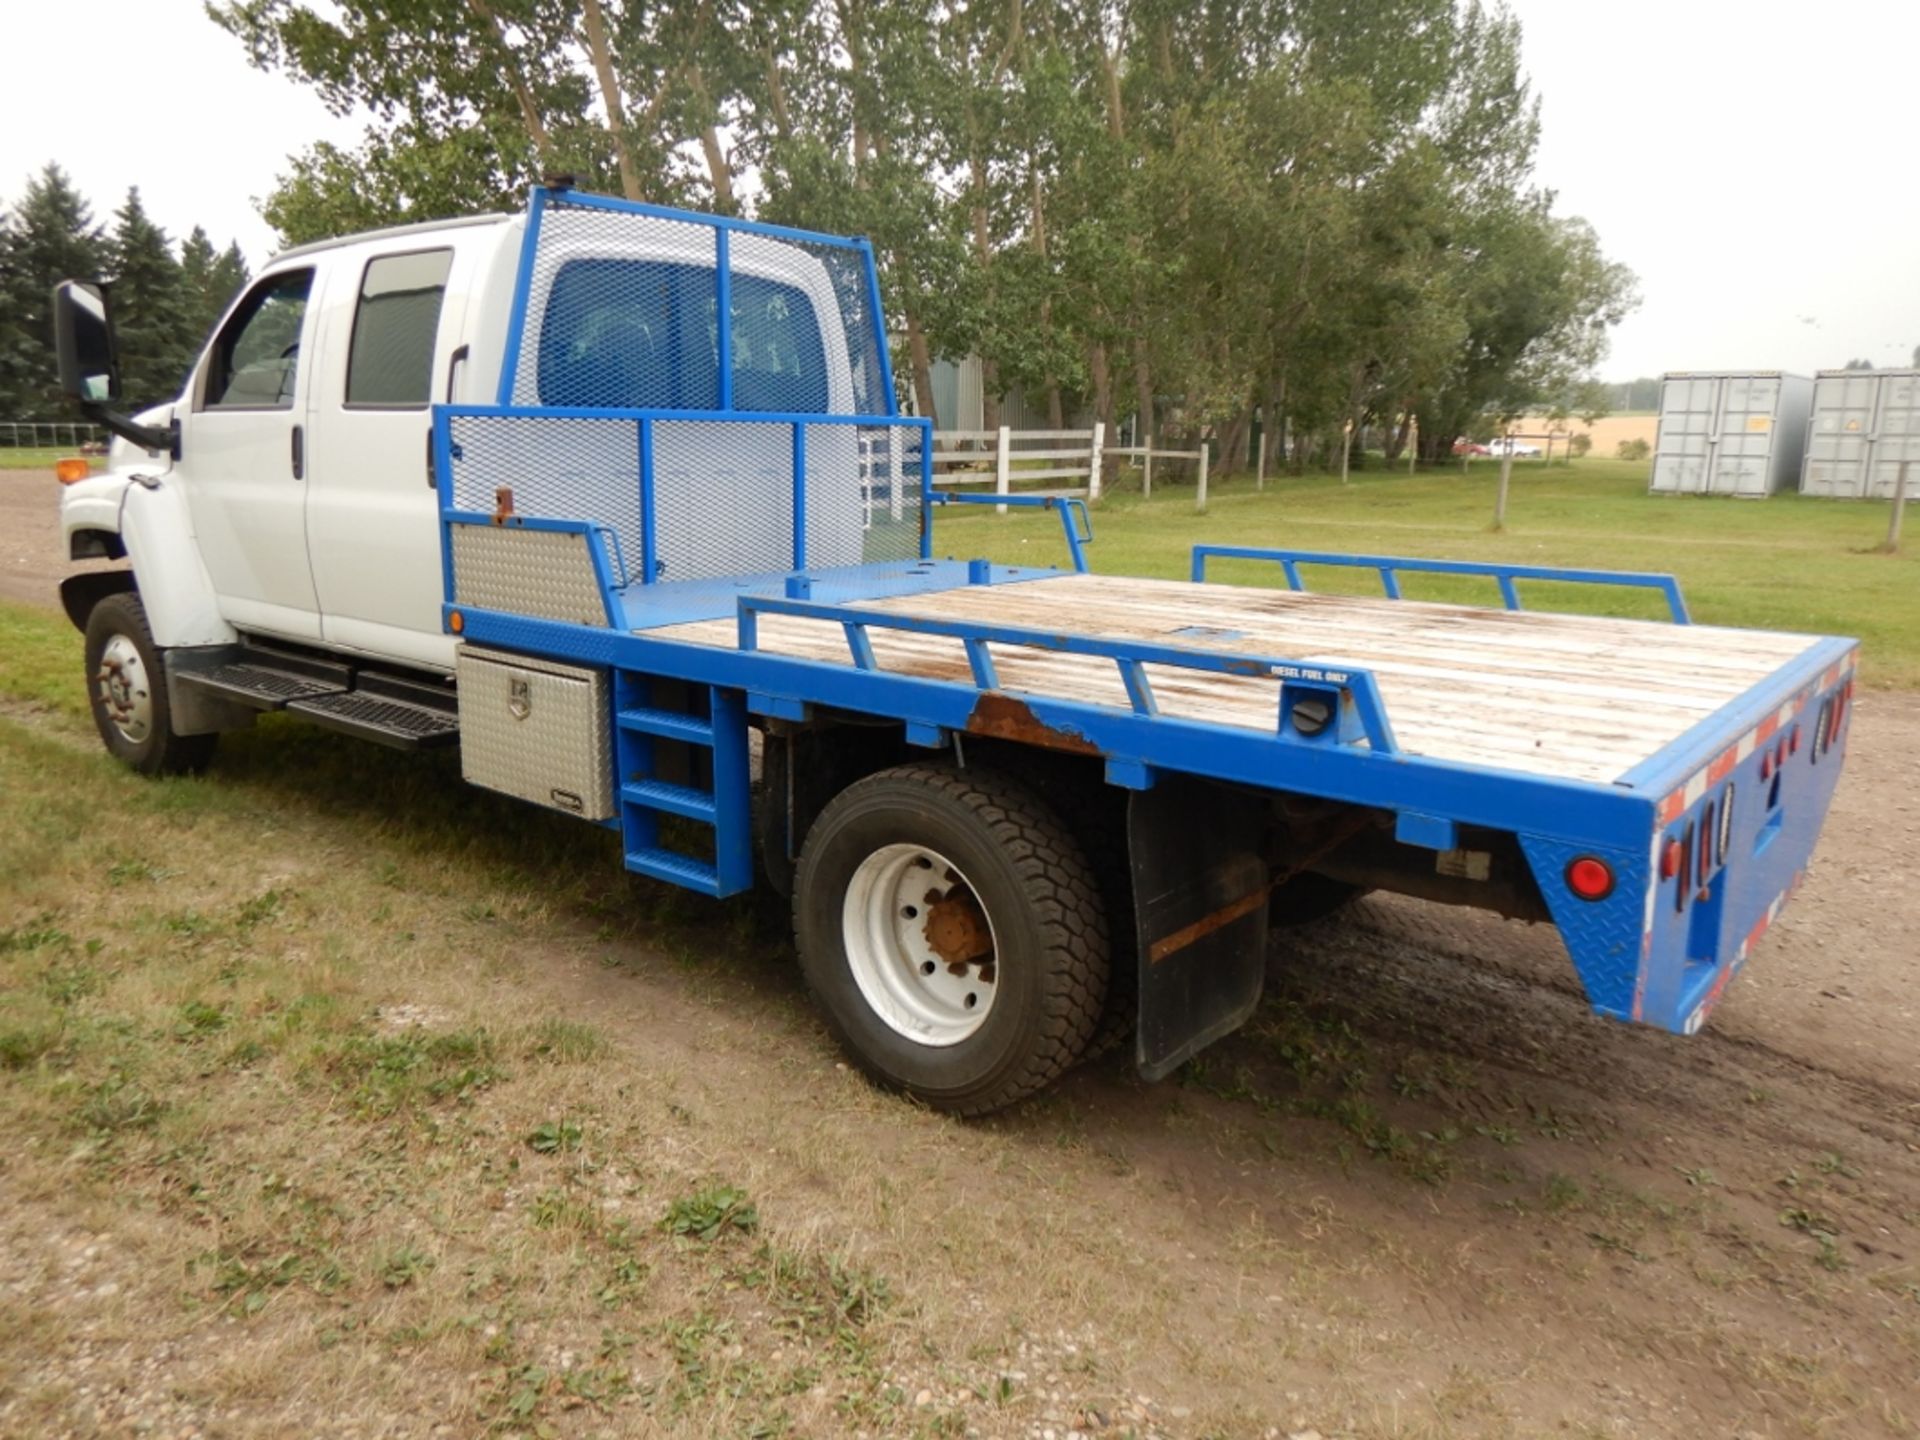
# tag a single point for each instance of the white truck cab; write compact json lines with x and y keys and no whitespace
{"x":285,"y":502}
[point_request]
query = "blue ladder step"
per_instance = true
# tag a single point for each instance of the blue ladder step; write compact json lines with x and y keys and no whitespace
{"x":675,"y":869}
{"x":667,"y":724}
{"x":673,"y":799}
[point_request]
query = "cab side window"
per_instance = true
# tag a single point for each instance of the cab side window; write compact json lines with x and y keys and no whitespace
{"x":390,"y":362}
{"x":256,"y":357}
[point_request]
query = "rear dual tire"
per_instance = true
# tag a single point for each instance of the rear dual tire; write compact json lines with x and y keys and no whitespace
{"x":953,"y":934}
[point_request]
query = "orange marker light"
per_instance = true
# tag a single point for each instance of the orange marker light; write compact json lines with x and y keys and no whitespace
{"x":456,"y":622}
{"x":68,"y":471}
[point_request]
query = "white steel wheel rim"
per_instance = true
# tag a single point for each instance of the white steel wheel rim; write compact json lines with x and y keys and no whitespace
{"x":122,"y":685}
{"x":907,"y":930}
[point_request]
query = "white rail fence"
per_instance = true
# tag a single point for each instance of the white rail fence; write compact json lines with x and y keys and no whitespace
{"x":1000,"y":457}
{"x":48,"y":434}
{"x":1147,"y":454}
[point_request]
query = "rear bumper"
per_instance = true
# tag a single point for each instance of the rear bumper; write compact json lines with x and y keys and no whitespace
{"x":1734,"y":820}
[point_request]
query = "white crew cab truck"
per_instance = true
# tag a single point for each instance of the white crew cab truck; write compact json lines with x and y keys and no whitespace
{"x":598,"y":492}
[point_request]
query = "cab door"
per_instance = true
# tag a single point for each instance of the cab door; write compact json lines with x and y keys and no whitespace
{"x":390,"y":326}
{"x":244,"y":461}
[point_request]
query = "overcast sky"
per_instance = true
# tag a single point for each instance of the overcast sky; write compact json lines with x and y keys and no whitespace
{"x":1753,"y":162}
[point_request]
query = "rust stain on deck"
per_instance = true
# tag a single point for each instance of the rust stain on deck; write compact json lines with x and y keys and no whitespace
{"x":1006,"y":718}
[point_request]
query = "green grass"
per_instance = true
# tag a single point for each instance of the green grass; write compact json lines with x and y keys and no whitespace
{"x":43,"y":661}
{"x":41,"y":457}
{"x":1787,"y":563}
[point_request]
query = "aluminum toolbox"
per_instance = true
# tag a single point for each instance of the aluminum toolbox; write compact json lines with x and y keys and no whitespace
{"x":536,"y":730}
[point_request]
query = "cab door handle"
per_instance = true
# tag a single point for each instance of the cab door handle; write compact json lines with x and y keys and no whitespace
{"x":299,"y":453}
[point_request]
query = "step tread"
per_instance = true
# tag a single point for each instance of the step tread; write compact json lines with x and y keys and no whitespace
{"x":675,"y":868}
{"x":260,"y":684}
{"x":401,"y":719}
{"x":668,"y":724}
{"x":675,"y":799}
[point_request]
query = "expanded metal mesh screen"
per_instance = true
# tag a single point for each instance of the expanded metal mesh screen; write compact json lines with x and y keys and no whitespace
{"x":557,"y":468}
{"x":847,"y":273}
{"x":876,"y":520}
{"x":623,"y":312}
{"x":722,"y":498}
{"x":723,"y":490}
{"x":620,"y":313}
{"x":633,"y":311}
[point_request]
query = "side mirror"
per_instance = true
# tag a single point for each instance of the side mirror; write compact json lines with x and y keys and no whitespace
{"x":90,"y":364}
{"x":83,"y":339}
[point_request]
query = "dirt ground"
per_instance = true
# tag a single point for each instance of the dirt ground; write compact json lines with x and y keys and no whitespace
{"x":1423,"y":1193}
{"x":32,"y":559}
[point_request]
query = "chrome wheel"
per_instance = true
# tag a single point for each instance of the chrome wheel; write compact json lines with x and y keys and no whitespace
{"x":125,"y":691}
{"x":920,"y":944}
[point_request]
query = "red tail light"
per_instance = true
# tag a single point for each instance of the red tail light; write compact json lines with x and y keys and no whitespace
{"x":1590,"y":878}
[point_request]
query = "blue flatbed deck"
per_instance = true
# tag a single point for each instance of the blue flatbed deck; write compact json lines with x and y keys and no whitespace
{"x":1660,"y":785}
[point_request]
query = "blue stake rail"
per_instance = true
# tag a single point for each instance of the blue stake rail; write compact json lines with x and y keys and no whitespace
{"x":1079,"y":535}
{"x":1391,"y":567}
{"x":1130,"y":656}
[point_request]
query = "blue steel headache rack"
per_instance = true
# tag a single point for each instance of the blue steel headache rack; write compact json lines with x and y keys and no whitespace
{"x":683,"y":436}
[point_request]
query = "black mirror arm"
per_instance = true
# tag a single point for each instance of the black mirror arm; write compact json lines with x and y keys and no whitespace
{"x":147,"y":437}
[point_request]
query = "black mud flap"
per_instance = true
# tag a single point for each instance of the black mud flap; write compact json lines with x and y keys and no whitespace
{"x":1200,"y":891}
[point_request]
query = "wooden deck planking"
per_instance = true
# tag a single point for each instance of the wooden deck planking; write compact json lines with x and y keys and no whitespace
{"x":1575,"y":697}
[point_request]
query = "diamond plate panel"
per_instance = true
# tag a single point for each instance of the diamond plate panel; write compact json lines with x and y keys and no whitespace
{"x":544,"y":574}
{"x":536,"y":730}
{"x":1603,"y":937}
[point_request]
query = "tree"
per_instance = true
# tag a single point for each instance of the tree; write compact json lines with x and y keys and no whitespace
{"x":1858,"y":365}
{"x":51,"y":236}
{"x":1193,"y":210}
{"x":209,"y":281}
{"x":150,"y":308}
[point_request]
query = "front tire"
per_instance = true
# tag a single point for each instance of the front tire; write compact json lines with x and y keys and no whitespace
{"x":953,"y":934}
{"x":127,"y":687}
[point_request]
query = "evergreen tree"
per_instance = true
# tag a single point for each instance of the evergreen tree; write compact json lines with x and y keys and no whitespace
{"x":51,"y":237}
{"x":208,"y":280}
{"x":230,"y":276}
{"x":151,"y":311}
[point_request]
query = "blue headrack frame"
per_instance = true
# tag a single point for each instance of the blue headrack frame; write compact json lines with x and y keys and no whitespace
{"x":542,"y":199}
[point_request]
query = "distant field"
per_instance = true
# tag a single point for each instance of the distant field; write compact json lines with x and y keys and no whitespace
{"x":1607,"y":432}
{"x":1786,"y":563}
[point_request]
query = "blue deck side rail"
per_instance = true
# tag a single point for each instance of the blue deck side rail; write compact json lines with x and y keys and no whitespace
{"x":1391,"y":567}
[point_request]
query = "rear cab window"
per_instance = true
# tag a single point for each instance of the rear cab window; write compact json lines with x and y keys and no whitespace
{"x":395,"y":321}
{"x":644,"y":334}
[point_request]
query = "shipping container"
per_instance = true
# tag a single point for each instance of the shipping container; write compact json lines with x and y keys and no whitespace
{"x":1865,"y":423}
{"x":1731,"y":432}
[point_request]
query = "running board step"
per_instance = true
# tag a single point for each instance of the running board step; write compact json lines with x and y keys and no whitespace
{"x":672,"y":799}
{"x":400,"y":724}
{"x":269,"y":685}
{"x":675,"y":869}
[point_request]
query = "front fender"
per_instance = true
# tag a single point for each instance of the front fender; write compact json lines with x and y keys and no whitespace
{"x":92,"y":504}
{"x":157,"y":528}
{"x":151,"y":519}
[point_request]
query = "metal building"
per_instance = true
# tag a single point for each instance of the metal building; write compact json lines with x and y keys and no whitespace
{"x":1730,"y":432}
{"x":1865,"y":422}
